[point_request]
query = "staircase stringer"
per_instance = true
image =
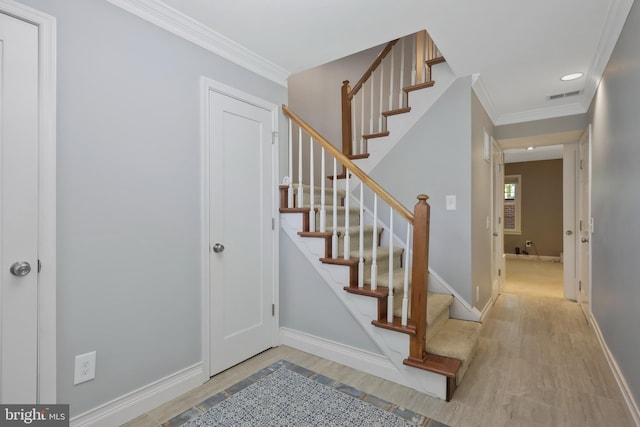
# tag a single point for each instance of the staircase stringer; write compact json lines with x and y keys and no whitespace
{"x":393,"y":345}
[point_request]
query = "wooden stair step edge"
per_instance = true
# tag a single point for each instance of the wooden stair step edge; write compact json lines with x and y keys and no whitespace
{"x":396,"y":111}
{"x":376,"y":135}
{"x":303,"y":211}
{"x":358,"y":156}
{"x":418,"y":86}
{"x":434,"y":61}
{"x":351,"y":263}
{"x":446,"y":366}
{"x":396,"y":325}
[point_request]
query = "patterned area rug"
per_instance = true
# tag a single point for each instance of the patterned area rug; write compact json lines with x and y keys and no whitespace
{"x":285,"y":394}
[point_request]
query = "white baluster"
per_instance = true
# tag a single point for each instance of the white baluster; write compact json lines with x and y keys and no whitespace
{"x":361,"y":242}
{"x":362,"y":148}
{"x":323,"y":190}
{"x":423,"y":66}
{"x":347,"y":237}
{"x":405,"y":289}
{"x":391,"y":72}
{"x":354,"y":145}
{"x":290,"y":189}
{"x":390,"y":297}
{"x":374,"y":248}
{"x":413,"y":58}
{"x":334,"y":237}
{"x":371,"y":105}
{"x":380,"y":96}
{"x":300,"y":189}
{"x":312,"y":191}
{"x":401,"y":72}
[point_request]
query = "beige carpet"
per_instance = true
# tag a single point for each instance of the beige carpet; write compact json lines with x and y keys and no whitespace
{"x":534,"y":278}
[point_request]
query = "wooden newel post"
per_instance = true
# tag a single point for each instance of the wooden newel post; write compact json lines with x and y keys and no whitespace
{"x":419,"y":277}
{"x":346,"y":118}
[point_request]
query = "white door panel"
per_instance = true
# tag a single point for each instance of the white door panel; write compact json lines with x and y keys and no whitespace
{"x":18,"y":209}
{"x":242,"y":279}
{"x":584,"y":223}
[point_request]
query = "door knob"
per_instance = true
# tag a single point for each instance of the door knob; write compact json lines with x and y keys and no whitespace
{"x":496,"y":234}
{"x":218,"y":248}
{"x":569,"y":233}
{"x":584,"y":240}
{"x":20,"y":269}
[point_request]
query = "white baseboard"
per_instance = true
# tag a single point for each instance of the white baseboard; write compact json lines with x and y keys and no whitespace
{"x":533,"y":257}
{"x":615,"y":369}
{"x":138,"y":402}
{"x":362,"y":360}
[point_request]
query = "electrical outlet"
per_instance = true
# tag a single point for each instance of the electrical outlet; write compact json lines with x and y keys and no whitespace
{"x":85,"y":368}
{"x":528,"y":243}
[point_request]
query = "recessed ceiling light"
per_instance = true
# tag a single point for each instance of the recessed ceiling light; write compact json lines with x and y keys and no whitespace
{"x":530,"y":148}
{"x":572,"y":76}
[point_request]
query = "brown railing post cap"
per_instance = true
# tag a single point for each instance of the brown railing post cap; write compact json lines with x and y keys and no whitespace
{"x":423,"y":197}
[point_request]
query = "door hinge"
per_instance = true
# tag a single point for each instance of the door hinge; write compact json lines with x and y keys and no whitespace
{"x":274,"y":137}
{"x":273,"y":310}
{"x":273,"y":223}
{"x":39,"y":266}
{"x":499,"y":272}
{"x":581,"y":164}
{"x":580,"y":285}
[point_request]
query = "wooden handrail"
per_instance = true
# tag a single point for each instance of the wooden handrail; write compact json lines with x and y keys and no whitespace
{"x":372,"y":68}
{"x":346,"y":162}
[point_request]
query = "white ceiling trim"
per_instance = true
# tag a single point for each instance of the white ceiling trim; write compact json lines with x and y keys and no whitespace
{"x":613,"y":24}
{"x":541,"y":114}
{"x":178,"y":23}
{"x":522,"y":116}
{"x":483,"y":95}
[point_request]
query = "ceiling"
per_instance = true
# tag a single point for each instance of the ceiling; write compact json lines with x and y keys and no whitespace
{"x":517,"y":51}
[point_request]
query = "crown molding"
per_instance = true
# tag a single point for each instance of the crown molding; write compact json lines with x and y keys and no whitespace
{"x":478,"y":86}
{"x":541,"y":113}
{"x":613,"y":24}
{"x":176,"y":22}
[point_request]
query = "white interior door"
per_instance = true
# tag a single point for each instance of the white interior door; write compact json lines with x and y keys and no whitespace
{"x":498,"y":270}
{"x":241,"y":231}
{"x":569,"y":171}
{"x":18,"y":210}
{"x":584,"y":223}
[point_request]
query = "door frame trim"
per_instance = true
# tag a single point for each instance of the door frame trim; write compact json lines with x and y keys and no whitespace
{"x":207,"y":86}
{"x":47,"y":368}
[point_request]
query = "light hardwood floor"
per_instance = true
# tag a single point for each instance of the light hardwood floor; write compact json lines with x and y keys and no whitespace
{"x":538,"y":364}
{"x":535,"y":278}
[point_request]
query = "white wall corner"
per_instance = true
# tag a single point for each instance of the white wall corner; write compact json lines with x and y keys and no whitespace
{"x":138,"y":402}
{"x":629,"y":399}
{"x":481,"y":91}
{"x":176,"y":22}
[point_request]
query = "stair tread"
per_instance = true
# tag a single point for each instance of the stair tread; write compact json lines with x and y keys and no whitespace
{"x":437,"y":60}
{"x":436,"y":304}
{"x":457,"y":339}
{"x":418,"y":86}
{"x":375,"y":135}
{"x":396,"y":111}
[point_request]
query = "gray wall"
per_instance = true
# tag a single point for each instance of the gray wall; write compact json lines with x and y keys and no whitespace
{"x":480,"y":205}
{"x":307,"y":304}
{"x":315,"y":94}
{"x":129,"y":196}
{"x":615,"y":205}
{"x":434,"y":158}
{"x":540,"y":207}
